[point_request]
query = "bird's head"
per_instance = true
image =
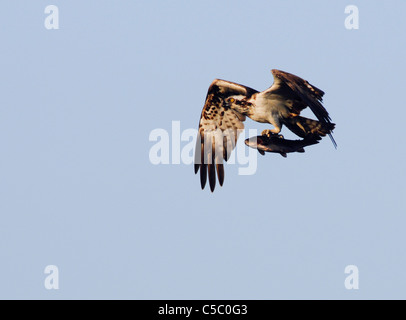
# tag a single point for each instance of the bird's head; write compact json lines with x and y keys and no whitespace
{"x":237,"y":103}
{"x":233,"y":101}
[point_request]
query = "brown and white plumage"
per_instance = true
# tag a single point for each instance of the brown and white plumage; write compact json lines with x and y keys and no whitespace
{"x":219,"y":128}
{"x":227,"y":104}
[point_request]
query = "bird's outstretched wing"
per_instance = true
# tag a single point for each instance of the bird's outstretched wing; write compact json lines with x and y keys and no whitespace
{"x":301,"y":94}
{"x":219,"y":128}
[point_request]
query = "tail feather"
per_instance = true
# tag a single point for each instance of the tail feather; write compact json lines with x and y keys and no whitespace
{"x":333,"y":140}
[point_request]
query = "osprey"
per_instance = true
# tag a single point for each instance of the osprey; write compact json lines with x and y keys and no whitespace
{"x":228,"y":104}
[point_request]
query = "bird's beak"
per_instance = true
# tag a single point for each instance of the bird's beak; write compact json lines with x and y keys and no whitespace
{"x":226,"y":104}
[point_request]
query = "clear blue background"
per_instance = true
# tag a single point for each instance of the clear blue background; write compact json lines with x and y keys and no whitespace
{"x":77,"y":188}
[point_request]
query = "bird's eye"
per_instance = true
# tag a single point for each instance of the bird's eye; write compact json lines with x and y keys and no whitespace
{"x":232,"y":100}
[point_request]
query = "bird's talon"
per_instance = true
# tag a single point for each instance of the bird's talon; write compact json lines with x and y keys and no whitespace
{"x":267,"y":133}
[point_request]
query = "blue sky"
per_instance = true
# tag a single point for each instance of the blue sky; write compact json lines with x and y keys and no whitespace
{"x":78,"y":190}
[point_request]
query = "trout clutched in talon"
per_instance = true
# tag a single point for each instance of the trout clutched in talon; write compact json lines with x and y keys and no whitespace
{"x":277,"y":144}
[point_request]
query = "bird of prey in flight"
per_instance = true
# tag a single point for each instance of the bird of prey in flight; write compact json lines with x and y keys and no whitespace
{"x":228,"y":104}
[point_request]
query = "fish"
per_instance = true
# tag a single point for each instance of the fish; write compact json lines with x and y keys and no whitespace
{"x":278,"y":144}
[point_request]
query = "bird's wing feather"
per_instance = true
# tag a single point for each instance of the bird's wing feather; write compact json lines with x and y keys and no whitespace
{"x":219,"y":128}
{"x":300,"y":89}
{"x":301,"y":93}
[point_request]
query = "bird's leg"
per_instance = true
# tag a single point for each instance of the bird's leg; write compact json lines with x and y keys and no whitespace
{"x":272,"y":133}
